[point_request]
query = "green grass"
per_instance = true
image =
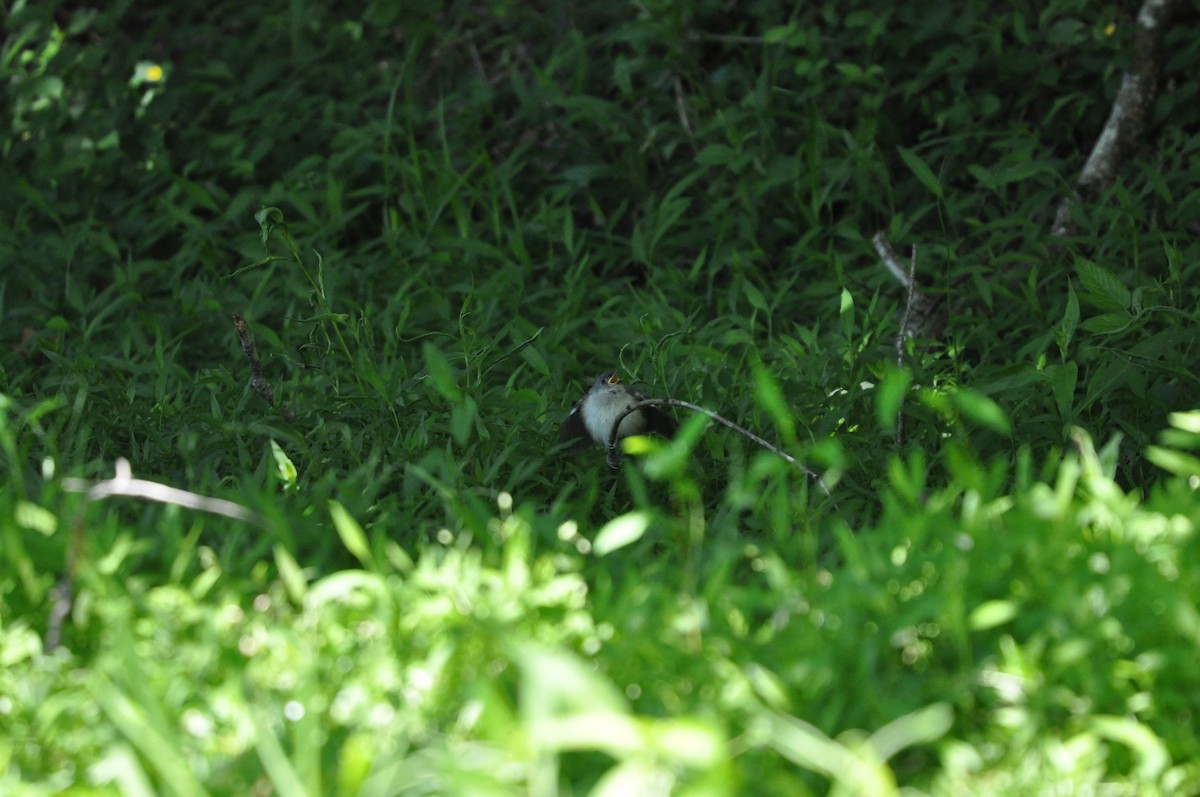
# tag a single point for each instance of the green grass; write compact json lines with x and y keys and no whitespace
{"x":440,"y":221}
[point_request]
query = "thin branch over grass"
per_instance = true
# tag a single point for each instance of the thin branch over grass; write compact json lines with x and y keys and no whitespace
{"x":613,"y":458}
{"x":891,"y":261}
{"x":924,"y":315}
{"x":909,"y":280}
{"x":123,"y":484}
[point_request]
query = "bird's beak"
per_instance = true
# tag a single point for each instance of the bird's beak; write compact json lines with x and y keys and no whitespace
{"x":612,"y":380}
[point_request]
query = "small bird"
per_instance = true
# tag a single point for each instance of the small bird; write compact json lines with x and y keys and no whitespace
{"x":593,"y":416}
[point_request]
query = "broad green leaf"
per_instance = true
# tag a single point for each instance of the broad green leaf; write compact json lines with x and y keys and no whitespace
{"x":806,"y":745}
{"x":284,"y":465}
{"x":847,"y":302}
{"x":779,"y":34}
{"x":854,"y":770}
{"x":769,"y":395}
{"x":356,"y":757}
{"x":635,"y":775}
{"x":291,"y":575}
{"x":440,"y":372}
{"x":908,"y":479}
{"x":714,"y":155}
{"x":1176,"y":462}
{"x":921,"y":169}
{"x":280,"y":770}
{"x":1107,"y":323}
{"x":1187,"y":421}
{"x":690,"y":741}
{"x":1174,"y":261}
{"x":769,"y":687}
{"x":991,"y":614}
{"x":981,"y":410}
{"x":1063,"y":379}
{"x":982,"y":176}
{"x":267,"y":218}
{"x":889,"y":396}
{"x":1152,"y":346}
{"x":158,"y":746}
{"x":922,"y":726}
{"x":964,"y":466}
{"x":1101,"y":287}
{"x":1152,"y":755}
{"x":621,"y":531}
{"x":36,"y":518}
{"x":637,"y":244}
{"x":1070,"y":321}
{"x":1018,"y":172}
{"x":462,"y":420}
{"x":566,"y":705}
{"x":846,"y":312}
{"x":1180,"y":439}
{"x":754,"y":295}
{"x":1010,"y":377}
{"x":668,"y":459}
{"x":120,"y":765}
{"x":352,"y":534}
{"x":638,"y":444}
{"x":197,"y":194}
{"x":1110,"y":374}
{"x":852,"y":551}
{"x":341,"y":586}
{"x":612,"y":732}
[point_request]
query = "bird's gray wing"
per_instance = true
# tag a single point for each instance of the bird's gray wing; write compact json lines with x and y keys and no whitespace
{"x":660,"y":422}
{"x":657,"y":421}
{"x":573,"y":429}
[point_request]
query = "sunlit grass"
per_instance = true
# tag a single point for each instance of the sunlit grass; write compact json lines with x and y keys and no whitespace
{"x":437,"y":230}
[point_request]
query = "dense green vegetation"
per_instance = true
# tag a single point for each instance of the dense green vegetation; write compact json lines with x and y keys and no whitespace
{"x":440,"y":221}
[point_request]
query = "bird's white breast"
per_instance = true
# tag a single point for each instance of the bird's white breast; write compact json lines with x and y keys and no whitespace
{"x":600,"y":410}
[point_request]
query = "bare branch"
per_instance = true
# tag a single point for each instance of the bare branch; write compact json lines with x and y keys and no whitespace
{"x":257,"y":380}
{"x":681,"y":108}
{"x":891,"y":260}
{"x":613,"y":456}
{"x":906,"y":320}
{"x":1127,"y":118}
{"x":903,"y":334}
{"x":122,"y":483}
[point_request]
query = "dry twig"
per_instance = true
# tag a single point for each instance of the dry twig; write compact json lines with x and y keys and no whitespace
{"x":903,"y":334}
{"x":123,"y":484}
{"x":257,"y":380}
{"x":613,"y":456}
{"x":1127,"y":118}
